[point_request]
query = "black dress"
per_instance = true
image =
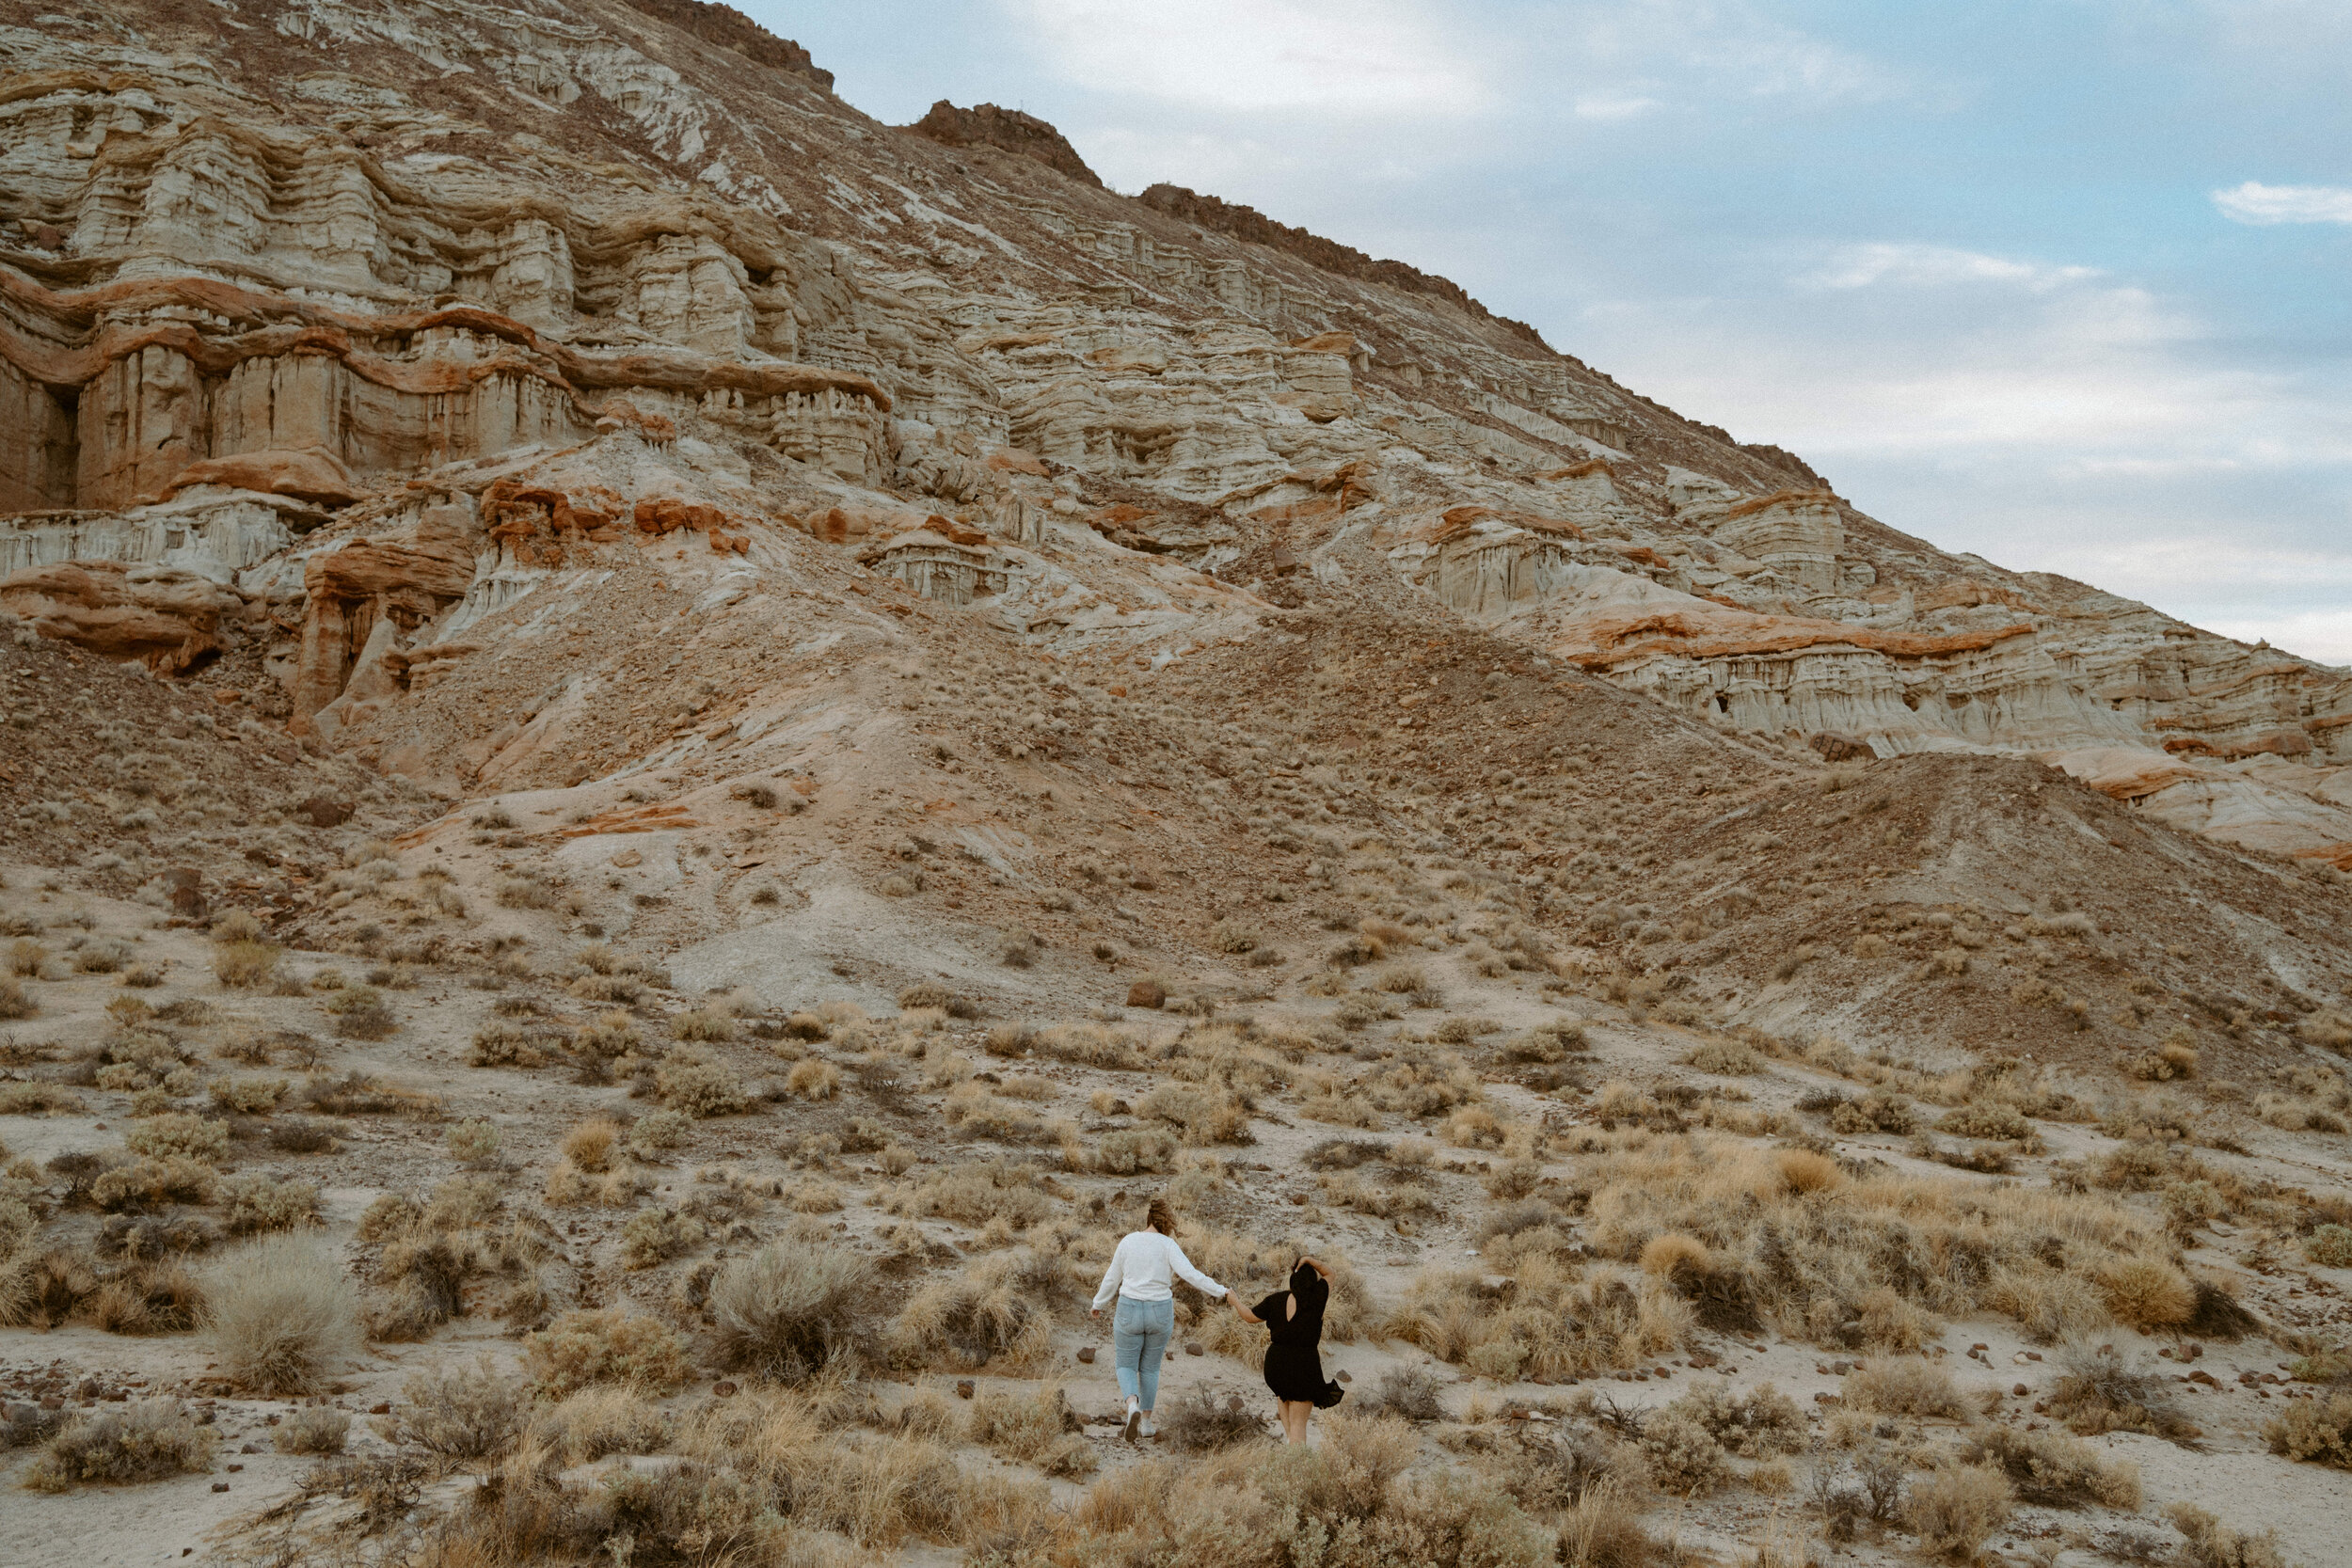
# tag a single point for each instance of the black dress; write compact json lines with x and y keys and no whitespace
{"x":1294,"y":1370}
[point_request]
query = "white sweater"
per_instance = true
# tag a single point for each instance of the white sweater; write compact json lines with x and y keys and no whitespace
{"x":1143,"y":1269}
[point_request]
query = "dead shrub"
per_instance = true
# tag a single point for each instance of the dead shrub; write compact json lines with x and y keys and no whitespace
{"x":315,"y":1429}
{"x":145,"y":1441}
{"x":788,"y":1310}
{"x":2207,"y":1543}
{"x":280,"y":1311}
{"x":2146,"y":1293}
{"x":1036,"y":1428}
{"x":700,"y":1085}
{"x":2054,"y":1470}
{"x":1903,"y":1386}
{"x":1954,"y":1510}
{"x":585,"y":1346}
{"x":2317,"y":1431}
{"x":995,"y":1310}
{"x":458,"y":1412}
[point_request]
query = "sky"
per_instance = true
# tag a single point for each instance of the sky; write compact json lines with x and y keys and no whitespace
{"x":2059,"y":282}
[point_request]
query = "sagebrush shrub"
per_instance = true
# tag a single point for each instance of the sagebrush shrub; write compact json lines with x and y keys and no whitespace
{"x":315,"y":1429}
{"x":145,"y":1441}
{"x":1954,"y":1510}
{"x":461,"y":1412}
{"x":280,"y":1311}
{"x":787,"y":1309}
{"x":2317,"y":1429}
{"x":584,"y":1346}
{"x":2058,"y":1471}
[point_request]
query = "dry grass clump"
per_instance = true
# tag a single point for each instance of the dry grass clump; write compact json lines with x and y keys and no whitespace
{"x":814,"y":1080}
{"x":589,"y":1144}
{"x":245,"y":964}
{"x":980,"y":1192}
{"x":1551,"y":1322}
{"x":259,"y":1202}
{"x":2103,"y":1391}
{"x":1729,"y":1058}
{"x":14,"y":1003}
{"x":1201,"y":1423}
{"x":150,"y":1296}
{"x":2329,"y":1246}
{"x":597,"y":1422}
{"x":1129,"y":1151}
{"x":2317,"y":1429}
{"x":995,"y":1311}
{"x":1201,"y":1115}
{"x":2207,"y":1543}
{"x":1903,"y":1386}
{"x":787,"y":1311}
{"x":1092,"y":1045}
{"x":584,"y":1346}
{"x":1800,"y":1245}
{"x":279,"y":1312}
{"x":315,"y":1429}
{"x":2146,"y":1293}
{"x":1954,"y":1510}
{"x":698,"y":1023}
{"x":1036,"y":1428}
{"x":1346,"y":1502}
{"x":2056,"y":1471}
{"x":430,"y":1250}
{"x":247,"y":1096}
{"x":179,"y":1135}
{"x":458,"y":1412}
{"x":700,"y":1085}
{"x":146,"y":1441}
{"x":654,"y":1236}
{"x":1603,"y":1529}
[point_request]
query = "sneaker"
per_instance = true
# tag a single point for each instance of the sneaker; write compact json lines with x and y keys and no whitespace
{"x":1135,"y":1419}
{"x":1149,"y":1430}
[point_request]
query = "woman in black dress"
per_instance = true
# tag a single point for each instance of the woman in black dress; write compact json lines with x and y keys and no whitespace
{"x":1293,"y":1368}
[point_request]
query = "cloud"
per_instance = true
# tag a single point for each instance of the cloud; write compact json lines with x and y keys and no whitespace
{"x":1937,"y":266}
{"x":1356,"y":56}
{"x":1613,"y":106}
{"x":2256,"y":203}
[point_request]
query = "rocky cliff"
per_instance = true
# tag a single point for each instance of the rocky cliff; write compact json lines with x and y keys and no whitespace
{"x":467,"y":289}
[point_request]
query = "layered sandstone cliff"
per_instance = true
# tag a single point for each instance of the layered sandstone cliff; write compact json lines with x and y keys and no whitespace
{"x":344,"y":332}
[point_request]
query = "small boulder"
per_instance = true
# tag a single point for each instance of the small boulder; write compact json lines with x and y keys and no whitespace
{"x":1147,"y":993}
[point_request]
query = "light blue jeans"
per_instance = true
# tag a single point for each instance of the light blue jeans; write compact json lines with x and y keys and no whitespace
{"x":1139,"y":1334}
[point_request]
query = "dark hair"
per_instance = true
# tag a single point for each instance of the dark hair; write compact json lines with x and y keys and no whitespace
{"x":1160,"y":1217}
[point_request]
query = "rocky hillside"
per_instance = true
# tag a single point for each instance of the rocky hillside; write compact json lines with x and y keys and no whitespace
{"x":929,"y":700}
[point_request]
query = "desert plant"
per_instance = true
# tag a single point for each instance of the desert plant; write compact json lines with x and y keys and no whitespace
{"x":474,"y":1141}
{"x":600,"y":1421}
{"x":145,"y":1441}
{"x":590,"y":1146}
{"x":1199,"y":1422}
{"x":788,"y":1308}
{"x":315,"y":1429}
{"x":1036,"y":1428}
{"x":260,"y":1203}
{"x":995,"y":1310}
{"x":178,"y":1134}
{"x":661,"y":1130}
{"x":1954,"y":1509}
{"x":459,"y":1412}
{"x":1902,"y":1386}
{"x":2330,"y":1246}
{"x":699,"y":1084}
{"x":279,"y":1312}
{"x":243,"y":965}
{"x":2146,"y":1293}
{"x":654,"y":1236}
{"x":2056,"y":1471}
{"x":814,"y":1080}
{"x":584,"y":1346}
{"x":2316,"y":1430}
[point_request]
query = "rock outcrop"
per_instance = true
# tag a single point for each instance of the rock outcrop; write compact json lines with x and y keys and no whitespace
{"x":376,"y":370}
{"x":986,"y":125}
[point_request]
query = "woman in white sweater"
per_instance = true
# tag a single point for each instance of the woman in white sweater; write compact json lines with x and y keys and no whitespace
{"x":1141,"y":1276}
